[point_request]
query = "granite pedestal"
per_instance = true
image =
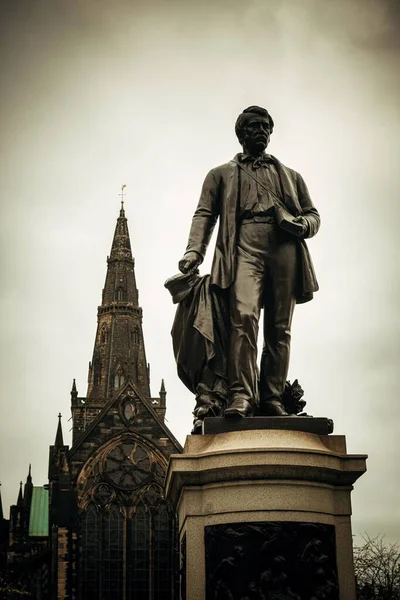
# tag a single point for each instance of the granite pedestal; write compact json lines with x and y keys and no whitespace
{"x":265,"y":513}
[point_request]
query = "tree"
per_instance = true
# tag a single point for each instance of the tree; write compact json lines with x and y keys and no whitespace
{"x":377,"y":568}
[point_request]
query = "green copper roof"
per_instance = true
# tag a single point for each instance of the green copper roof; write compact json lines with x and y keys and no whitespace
{"x":39,"y":515}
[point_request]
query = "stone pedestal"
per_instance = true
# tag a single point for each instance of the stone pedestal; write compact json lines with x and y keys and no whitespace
{"x":265,"y":514}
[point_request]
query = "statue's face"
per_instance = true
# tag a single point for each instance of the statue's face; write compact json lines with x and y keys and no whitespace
{"x":255,"y":134}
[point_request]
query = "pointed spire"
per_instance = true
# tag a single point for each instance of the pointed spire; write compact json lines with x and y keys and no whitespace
{"x":1,"y":506}
{"x":163,"y":394}
{"x":20,"y":501}
{"x":28,"y":488}
{"x":59,"y":435}
{"x":74,"y":392}
{"x":119,"y":338}
{"x":162,"y":390}
{"x":121,"y":245}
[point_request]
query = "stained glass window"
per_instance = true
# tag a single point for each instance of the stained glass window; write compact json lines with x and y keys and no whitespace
{"x":138,"y":573}
{"x":113,"y":556}
{"x":162,"y":555}
{"x":128,"y":530}
{"x":91,"y":553}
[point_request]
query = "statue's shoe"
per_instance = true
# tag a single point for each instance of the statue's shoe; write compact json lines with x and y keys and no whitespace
{"x":239,"y":407}
{"x":273,"y":408}
{"x":197,"y":427}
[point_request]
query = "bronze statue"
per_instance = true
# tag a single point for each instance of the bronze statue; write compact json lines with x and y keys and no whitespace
{"x":261,"y":261}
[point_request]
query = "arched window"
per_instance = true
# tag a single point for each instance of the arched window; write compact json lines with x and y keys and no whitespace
{"x":119,"y":378}
{"x":128,"y":539}
{"x":119,"y":294}
{"x":135,"y":336}
{"x":97,"y":372}
{"x":103,"y":335}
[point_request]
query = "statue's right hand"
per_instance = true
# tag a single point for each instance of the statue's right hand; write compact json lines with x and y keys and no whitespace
{"x":189,"y":262}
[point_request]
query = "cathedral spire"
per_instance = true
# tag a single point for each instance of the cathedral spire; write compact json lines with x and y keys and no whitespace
{"x":20,"y":501}
{"x":28,"y":488}
{"x":59,"y":435}
{"x":119,"y":352}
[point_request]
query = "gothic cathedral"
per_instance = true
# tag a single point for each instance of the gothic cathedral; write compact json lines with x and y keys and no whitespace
{"x":111,"y":534}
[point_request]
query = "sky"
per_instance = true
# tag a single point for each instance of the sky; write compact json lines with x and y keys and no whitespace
{"x":95,"y":94}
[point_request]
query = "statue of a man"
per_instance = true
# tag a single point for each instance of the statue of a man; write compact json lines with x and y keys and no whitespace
{"x":261,"y":261}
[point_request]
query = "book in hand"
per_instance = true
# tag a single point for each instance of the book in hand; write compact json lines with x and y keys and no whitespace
{"x":286,"y":221}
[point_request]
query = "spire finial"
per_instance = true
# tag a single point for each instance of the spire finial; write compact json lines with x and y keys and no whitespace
{"x":163,"y":394}
{"x":122,"y":194}
{"x":74,"y":391}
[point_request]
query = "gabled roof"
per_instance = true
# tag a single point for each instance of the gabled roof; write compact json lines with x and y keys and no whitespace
{"x":129,"y":385}
{"x":39,"y":514}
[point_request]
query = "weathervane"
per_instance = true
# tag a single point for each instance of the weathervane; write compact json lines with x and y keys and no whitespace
{"x":122,"y":194}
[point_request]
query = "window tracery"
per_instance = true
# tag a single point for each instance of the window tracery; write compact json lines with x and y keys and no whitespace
{"x":126,"y":524}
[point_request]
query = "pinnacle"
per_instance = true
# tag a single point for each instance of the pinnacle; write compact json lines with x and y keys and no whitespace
{"x":20,"y":500}
{"x":59,"y":435}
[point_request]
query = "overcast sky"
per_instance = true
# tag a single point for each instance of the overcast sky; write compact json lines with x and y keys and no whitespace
{"x":97,"y":93}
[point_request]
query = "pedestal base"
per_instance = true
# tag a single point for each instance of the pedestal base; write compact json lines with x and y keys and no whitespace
{"x":265,"y":514}
{"x":319,"y":425}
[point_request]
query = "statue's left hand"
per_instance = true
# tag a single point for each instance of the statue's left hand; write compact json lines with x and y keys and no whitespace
{"x":303,"y":221}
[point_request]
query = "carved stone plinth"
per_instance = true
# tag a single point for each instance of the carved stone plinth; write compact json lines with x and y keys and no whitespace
{"x":265,"y":514}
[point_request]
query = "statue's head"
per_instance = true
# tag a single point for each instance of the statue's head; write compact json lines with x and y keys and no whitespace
{"x":253,"y":128}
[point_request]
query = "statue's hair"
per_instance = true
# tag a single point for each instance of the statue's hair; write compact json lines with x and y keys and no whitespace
{"x":246,"y":114}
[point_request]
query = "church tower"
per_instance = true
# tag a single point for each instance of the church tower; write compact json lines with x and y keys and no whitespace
{"x":113,"y":531}
{"x":119,"y":352}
